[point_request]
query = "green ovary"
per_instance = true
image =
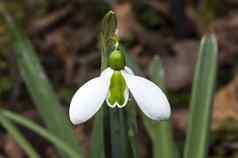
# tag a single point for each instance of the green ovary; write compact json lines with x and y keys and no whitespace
{"x":117,"y":89}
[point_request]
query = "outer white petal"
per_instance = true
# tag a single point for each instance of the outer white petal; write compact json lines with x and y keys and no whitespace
{"x":89,"y":98}
{"x":107,"y":73}
{"x":149,"y":97}
{"x":129,"y":71}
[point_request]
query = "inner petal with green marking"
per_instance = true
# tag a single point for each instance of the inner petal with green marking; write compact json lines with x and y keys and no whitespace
{"x":118,"y":91}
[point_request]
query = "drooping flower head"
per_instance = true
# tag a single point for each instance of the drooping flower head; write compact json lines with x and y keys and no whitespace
{"x":113,"y":86}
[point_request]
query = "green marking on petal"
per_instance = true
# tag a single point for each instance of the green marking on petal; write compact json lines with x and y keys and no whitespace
{"x":117,"y":90}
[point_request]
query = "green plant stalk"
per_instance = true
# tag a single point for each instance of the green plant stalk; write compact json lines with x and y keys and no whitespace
{"x":160,"y":132}
{"x":132,"y":108}
{"x":40,"y":88}
{"x":115,"y":118}
{"x":118,"y":133}
{"x":132,"y":129}
{"x":100,"y":140}
{"x":40,"y":131}
{"x":131,"y":111}
{"x":16,"y":134}
{"x":201,"y":103}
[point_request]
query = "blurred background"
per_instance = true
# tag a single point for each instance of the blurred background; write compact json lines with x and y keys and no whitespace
{"x":65,"y":36}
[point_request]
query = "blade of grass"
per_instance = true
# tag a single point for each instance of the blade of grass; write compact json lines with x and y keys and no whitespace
{"x":16,"y":134}
{"x":99,"y":148}
{"x":160,"y":132}
{"x":201,"y":102}
{"x":40,"y":88}
{"x":40,"y":131}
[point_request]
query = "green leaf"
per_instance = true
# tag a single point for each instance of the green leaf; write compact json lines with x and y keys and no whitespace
{"x":157,"y":72}
{"x":118,"y":131}
{"x":201,"y":103}
{"x":99,"y":148}
{"x":132,"y":129}
{"x":16,"y":134}
{"x":41,"y":131}
{"x":40,"y":88}
{"x":132,"y":109}
{"x":160,"y":132}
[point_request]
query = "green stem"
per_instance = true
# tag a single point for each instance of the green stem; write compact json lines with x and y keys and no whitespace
{"x":132,"y":128}
{"x":119,"y":141}
{"x":101,"y":143}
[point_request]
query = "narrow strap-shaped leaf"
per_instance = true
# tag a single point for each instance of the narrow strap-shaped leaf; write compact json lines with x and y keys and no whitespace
{"x":160,"y":132}
{"x":16,"y":134}
{"x":97,"y":147}
{"x":132,"y":129}
{"x":108,"y":28}
{"x":131,"y":110}
{"x":41,"y":131}
{"x":118,"y":133}
{"x":201,"y":102}
{"x":40,"y":88}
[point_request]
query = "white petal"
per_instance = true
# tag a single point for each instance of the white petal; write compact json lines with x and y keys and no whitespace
{"x":107,"y":73}
{"x":149,"y":97}
{"x":129,"y":71}
{"x":88,"y":99}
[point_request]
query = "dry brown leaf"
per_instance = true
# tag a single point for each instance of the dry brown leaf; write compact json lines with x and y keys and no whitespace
{"x":226,"y":104}
{"x":11,"y":148}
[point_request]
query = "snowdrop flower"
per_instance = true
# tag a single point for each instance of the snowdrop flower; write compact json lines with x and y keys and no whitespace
{"x":113,"y":86}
